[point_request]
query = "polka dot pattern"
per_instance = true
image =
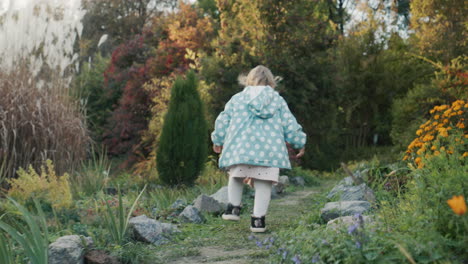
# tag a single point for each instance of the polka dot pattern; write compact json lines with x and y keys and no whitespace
{"x":254,"y":130}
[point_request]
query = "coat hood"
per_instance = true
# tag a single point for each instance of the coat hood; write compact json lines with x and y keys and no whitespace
{"x":259,"y":100}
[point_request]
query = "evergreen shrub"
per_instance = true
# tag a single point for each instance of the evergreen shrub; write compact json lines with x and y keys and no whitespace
{"x":183,"y":144}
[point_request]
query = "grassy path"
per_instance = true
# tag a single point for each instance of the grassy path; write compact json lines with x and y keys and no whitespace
{"x":225,"y":242}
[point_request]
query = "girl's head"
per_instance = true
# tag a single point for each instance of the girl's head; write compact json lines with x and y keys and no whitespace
{"x":259,"y":76}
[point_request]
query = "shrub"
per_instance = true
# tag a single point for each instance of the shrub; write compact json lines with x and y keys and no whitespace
{"x":448,"y":85}
{"x":445,"y":132}
{"x":38,"y":123}
{"x":94,"y":98}
{"x":47,"y":186}
{"x":183,"y":144}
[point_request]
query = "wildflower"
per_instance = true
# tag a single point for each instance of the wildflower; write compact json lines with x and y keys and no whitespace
{"x":325,"y":242}
{"x":358,"y":244}
{"x":418,"y":161}
{"x":465,"y":154}
{"x":285,"y":254}
{"x":259,"y":243}
{"x":315,"y":259}
{"x":272,"y":240}
{"x":296,"y":259}
{"x":251,"y":237}
{"x":458,"y":205}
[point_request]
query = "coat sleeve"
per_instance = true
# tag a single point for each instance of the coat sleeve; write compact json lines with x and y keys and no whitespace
{"x":293,"y":133}
{"x":221,"y":125}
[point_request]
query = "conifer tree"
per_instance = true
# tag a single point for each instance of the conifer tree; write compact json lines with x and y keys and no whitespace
{"x":183,"y":144}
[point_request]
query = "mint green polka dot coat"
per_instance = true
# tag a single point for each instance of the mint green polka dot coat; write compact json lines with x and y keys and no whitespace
{"x":254,"y":127}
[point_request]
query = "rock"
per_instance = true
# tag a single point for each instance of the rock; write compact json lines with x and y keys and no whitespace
{"x":221,"y":196}
{"x":343,"y":208}
{"x":348,"y":181}
{"x":191,"y":215}
{"x":100,"y":257}
{"x":298,"y":181}
{"x":179,"y":203}
{"x":277,"y":188}
{"x":284,"y":180}
{"x":352,"y":193}
{"x":149,"y":230}
{"x":274,"y":192}
{"x":345,"y":221}
{"x":69,"y":249}
{"x":207,"y":204}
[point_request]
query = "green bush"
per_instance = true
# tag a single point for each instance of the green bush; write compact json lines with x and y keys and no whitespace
{"x":411,"y":111}
{"x":183,"y":143}
{"x":89,"y":89}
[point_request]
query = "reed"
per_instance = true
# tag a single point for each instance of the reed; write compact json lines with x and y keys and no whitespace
{"x":38,"y":122}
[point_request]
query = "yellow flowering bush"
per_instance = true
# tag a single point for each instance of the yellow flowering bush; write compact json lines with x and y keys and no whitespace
{"x":46,"y":186}
{"x":446,"y":131}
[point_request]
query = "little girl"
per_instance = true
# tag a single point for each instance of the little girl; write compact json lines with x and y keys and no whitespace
{"x":250,"y":134}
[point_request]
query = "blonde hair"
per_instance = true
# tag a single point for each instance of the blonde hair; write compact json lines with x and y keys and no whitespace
{"x":259,"y":75}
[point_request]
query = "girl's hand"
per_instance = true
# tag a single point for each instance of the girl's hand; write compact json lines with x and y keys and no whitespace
{"x":301,"y":153}
{"x":217,"y":149}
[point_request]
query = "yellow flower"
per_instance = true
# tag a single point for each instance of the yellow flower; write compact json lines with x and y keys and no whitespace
{"x":419,"y":132}
{"x":465,"y":154}
{"x":458,"y":204}
{"x":433,"y":147}
{"x":432,"y":111}
{"x":436,"y":117}
{"x":436,"y":153}
{"x":460,"y":125}
{"x":420,"y":152}
{"x":443,"y":132}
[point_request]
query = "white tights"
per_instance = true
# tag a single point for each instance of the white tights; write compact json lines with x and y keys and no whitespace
{"x":262,"y":194}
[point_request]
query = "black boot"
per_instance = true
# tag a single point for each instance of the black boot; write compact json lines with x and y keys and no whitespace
{"x":232,"y":213}
{"x":257,"y":224}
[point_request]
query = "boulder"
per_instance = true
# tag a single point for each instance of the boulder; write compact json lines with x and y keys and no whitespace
{"x":207,"y":204}
{"x":343,"y":208}
{"x":69,"y":249}
{"x":284,"y":180}
{"x":352,"y":193}
{"x":149,"y":230}
{"x":299,"y":181}
{"x":100,"y":257}
{"x":191,"y":215}
{"x":221,"y":196}
{"x":344,"y":222}
{"x":179,"y":203}
{"x":348,"y":181}
{"x":277,"y":189}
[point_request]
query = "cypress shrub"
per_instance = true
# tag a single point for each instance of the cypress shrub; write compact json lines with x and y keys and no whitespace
{"x":183,"y":144}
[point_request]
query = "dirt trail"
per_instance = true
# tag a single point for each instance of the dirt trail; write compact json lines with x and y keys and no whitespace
{"x":236,"y":249}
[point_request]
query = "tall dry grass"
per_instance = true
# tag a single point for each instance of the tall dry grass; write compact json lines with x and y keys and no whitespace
{"x":38,"y":123}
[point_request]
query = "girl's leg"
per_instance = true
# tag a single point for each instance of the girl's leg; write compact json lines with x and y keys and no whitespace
{"x":262,"y":197}
{"x":235,"y":187}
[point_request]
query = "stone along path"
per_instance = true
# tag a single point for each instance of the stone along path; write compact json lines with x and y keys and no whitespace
{"x":226,"y":242}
